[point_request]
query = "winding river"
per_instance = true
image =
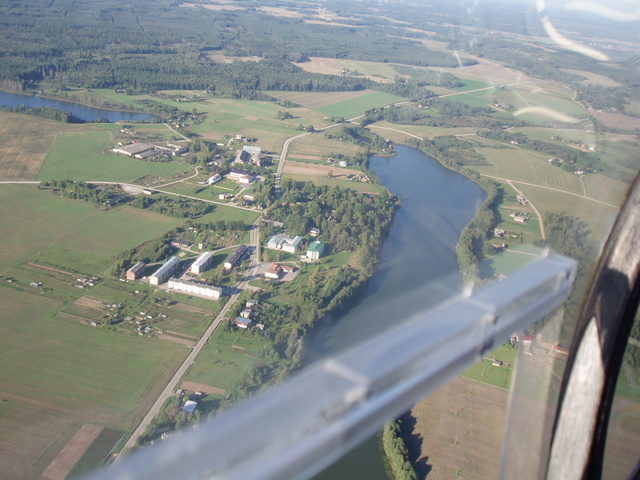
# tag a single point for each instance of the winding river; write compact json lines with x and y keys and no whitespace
{"x":83,"y":112}
{"x":419,"y":253}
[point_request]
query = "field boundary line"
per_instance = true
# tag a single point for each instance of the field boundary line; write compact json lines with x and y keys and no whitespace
{"x":552,"y":188}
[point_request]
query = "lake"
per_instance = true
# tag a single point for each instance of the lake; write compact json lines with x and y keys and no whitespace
{"x":83,"y":112}
{"x":418,"y":255}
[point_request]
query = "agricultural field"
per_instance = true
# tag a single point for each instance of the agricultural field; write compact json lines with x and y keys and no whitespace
{"x":458,"y":430}
{"x":84,"y":155}
{"x":60,"y":374}
{"x":378,"y":72}
{"x":499,"y":376}
{"x":40,"y":226}
{"x":342,"y":104}
{"x":25,"y":141}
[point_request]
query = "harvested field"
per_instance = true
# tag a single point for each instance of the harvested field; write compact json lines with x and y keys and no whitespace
{"x":616,"y":120}
{"x":318,"y":170}
{"x":191,"y":308}
{"x":458,"y":431}
{"x":177,"y":339}
{"x":90,"y":303}
{"x":199,"y":387}
{"x":72,"y":452}
{"x":25,"y":142}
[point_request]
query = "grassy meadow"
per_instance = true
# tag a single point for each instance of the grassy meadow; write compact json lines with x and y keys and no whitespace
{"x":40,"y":226}
{"x":85,"y":156}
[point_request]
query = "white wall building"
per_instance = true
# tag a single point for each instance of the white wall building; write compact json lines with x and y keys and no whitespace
{"x":286,"y":244}
{"x":202,"y":263}
{"x":165,"y":271}
{"x":202,"y":289}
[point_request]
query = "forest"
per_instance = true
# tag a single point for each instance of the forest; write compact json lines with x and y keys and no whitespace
{"x":150,"y":45}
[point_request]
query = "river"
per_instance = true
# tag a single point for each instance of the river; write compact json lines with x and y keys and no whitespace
{"x":83,"y":112}
{"x":419,"y":253}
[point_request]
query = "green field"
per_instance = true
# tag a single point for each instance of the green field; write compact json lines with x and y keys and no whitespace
{"x":354,"y":185}
{"x":226,"y":358}
{"x":359,"y":105}
{"x":43,"y":227}
{"x":84,"y":156}
{"x":485,"y":371}
{"x":62,"y":374}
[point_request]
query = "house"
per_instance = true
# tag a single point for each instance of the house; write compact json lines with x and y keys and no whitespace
{"x":243,"y":322}
{"x":314,"y":252}
{"x":286,"y":244}
{"x":246,"y":313}
{"x":250,"y":303}
{"x":136,"y":271}
{"x":223,"y":196}
{"x":165,"y":271}
{"x":201,"y":264}
{"x":249,"y":196}
{"x":241,"y":177}
{"x":314,"y":232}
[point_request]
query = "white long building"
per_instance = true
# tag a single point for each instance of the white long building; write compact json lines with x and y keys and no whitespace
{"x":203,"y":289}
{"x":165,"y":271}
{"x":202,"y":263}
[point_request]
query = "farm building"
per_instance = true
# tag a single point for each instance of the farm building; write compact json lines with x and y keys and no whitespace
{"x":165,"y":271}
{"x":235,"y":257}
{"x":241,"y":177}
{"x":145,"y":150}
{"x":203,"y":289}
{"x":132,"y":149}
{"x":215,"y":179}
{"x":180,"y":243}
{"x":202,"y":263}
{"x":286,"y":244}
{"x":136,"y":271}
{"x":314,"y":252}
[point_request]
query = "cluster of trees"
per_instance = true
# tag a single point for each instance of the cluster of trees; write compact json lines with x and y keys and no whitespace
{"x":45,"y":112}
{"x":77,"y":190}
{"x":428,"y":77}
{"x":348,"y":221}
{"x":397,"y":453}
{"x":570,"y":236}
{"x":152,"y":251}
{"x":441,"y":113}
{"x":356,"y":133}
{"x":175,"y":207}
{"x":451,"y":151}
